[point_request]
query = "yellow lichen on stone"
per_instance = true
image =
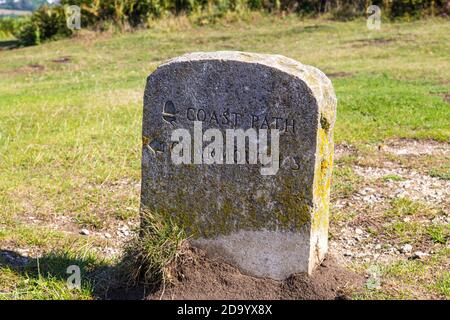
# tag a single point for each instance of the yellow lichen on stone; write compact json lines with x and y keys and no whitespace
{"x":145,"y":140}
{"x":322,"y":182}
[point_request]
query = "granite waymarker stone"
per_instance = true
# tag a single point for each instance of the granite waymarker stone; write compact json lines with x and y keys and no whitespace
{"x":268,"y":225}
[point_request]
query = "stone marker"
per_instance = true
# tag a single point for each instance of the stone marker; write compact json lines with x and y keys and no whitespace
{"x":268,"y":224}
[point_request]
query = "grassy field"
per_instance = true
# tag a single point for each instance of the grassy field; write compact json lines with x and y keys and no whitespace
{"x":70,"y":137}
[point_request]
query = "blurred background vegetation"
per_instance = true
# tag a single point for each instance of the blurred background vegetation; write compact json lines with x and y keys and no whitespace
{"x":48,"y":20}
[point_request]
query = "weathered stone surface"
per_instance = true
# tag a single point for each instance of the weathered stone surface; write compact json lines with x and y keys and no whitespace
{"x":268,"y":225}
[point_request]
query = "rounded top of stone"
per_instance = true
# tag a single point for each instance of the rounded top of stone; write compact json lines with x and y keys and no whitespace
{"x":276,"y":61}
{"x":316,"y":80}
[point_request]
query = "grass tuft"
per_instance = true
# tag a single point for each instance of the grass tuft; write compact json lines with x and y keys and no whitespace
{"x":443,"y":285}
{"x":152,"y":256}
{"x":439,"y":233}
{"x":392,"y":177}
{"x":345,"y":182}
{"x":401,"y":207}
{"x":436,"y":173}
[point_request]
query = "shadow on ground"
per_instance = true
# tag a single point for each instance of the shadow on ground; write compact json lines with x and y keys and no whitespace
{"x":9,"y":44}
{"x":196,"y":277}
{"x":106,"y":281}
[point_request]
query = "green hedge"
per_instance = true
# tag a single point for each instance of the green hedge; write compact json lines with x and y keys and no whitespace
{"x":50,"y":22}
{"x":44,"y":24}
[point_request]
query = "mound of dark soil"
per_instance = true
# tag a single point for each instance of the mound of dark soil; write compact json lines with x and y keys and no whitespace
{"x":199,"y":277}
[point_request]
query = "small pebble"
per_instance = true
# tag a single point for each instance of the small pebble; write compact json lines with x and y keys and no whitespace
{"x":84,"y":232}
{"x":348,"y":254}
{"x":407,"y":248}
{"x":419,"y":255}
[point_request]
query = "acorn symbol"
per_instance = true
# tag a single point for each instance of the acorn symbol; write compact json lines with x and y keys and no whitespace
{"x":169,"y":113}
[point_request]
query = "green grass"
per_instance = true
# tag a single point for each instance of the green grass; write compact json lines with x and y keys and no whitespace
{"x":405,"y":232}
{"x":439,"y":233}
{"x":412,"y":279}
{"x":392,"y":177}
{"x":70,"y":133}
{"x":442,"y":174}
{"x":345,"y":182}
{"x":443,"y":285}
{"x":152,"y":256}
{"x":46,"y":277}
{"x":89,"y":220}
{"x":401,"y":207}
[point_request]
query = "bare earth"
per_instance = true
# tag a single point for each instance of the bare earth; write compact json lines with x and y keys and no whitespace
{"x":201,"y":278}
